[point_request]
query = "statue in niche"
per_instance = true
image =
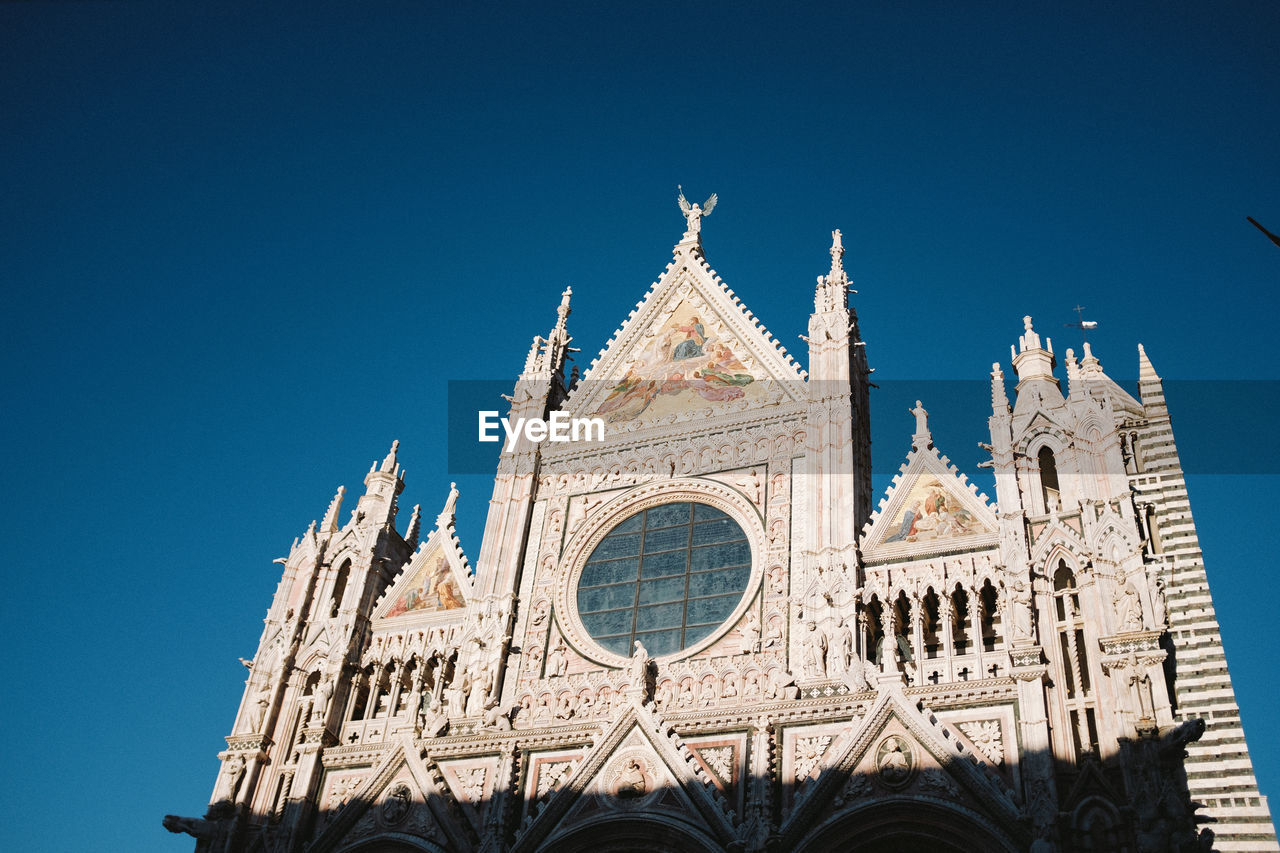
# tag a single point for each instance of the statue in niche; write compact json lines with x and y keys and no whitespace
{"x":814,"y":651}
{"x":840,"y":655}
{"x":1128,"y":608}
{"x":558,"y":660}
{"x":1020,"y":610}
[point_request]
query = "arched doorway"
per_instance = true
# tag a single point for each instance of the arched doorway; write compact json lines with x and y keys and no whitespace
{"x":907,"y":826}
{"x":632,"y":834}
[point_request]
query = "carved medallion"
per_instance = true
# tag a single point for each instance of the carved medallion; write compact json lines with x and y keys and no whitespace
{"x":395,"y":805}
{"x":895,"y":762}
{"x":629,"y":781}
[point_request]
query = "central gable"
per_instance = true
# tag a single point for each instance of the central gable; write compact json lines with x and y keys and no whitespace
{"x":690,"y":349}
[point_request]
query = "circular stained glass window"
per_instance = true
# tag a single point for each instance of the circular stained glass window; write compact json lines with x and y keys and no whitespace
{"x":667,"y":576}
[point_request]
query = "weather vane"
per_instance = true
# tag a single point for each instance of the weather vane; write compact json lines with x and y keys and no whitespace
{"x":1085,"y":326}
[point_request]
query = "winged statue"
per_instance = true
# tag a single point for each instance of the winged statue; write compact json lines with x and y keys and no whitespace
{"x":693,"y":213}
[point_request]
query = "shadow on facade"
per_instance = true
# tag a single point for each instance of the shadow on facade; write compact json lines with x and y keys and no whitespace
{"x":884,"y":796}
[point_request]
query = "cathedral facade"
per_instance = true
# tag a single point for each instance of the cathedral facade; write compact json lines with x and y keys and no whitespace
{"x":699,"y":633}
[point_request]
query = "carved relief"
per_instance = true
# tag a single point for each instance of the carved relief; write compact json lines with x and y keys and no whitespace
{"x":986,"y":738}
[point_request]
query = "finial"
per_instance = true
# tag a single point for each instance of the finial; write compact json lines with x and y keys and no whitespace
{"x":1026,"y":323}
{"x":837,"y":255}
{"x":999,"y":400}
{"x":389,"y":463}
{"x":922,"y":438}
{"x":330,"y":523}
{"x":535,"y":350}
{"x":563,"y":311}
{"x":415,"y":525}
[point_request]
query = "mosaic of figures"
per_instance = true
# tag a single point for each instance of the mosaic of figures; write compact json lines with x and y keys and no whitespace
{"x":433,"y":588}
{"x":686,"y":364}
{"x":930,"y":512}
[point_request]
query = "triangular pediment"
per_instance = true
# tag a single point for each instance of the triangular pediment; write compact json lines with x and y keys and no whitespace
{"x":897,"y":750}
{"x":689,"y":350}
{"x":436,"y":582}
{"x":638,"y":766}
{"x":929,"y":508}
{"x":397,"y":796}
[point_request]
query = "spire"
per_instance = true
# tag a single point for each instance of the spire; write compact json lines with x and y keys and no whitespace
{"x":1146,"y":371}
{"x":922,"y":440}
{"x":389,"y":463}
{"x":415,"y":526}
{"x":447,"y":516}
{"x":1150,"y":386}
{"x":999,"y":400}
{"x":837,"y":255}
{"x":832,"y":293}
{"x":330,"y":523}
{"x":1073,"y":373}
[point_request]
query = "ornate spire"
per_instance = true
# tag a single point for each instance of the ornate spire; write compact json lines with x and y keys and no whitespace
{"x":832,"y":293}
{"x":837,"y":256}
{"x":415,"y":527}
{"x":330,"y":523}
{"x":389,"y":463}
{"x":999,"y":400}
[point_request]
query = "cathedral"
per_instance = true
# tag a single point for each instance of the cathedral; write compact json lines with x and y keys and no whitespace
{"x":701,"y":631}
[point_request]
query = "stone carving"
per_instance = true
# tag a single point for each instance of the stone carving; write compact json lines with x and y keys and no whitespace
{"x":234,"y":770}
{"x":813,"y":651}
{"x":720,"y":760}
{"x":497,"y":718}
{"x":895,"y":762}
{"x":396,"y":804}
{"x":551,"y":775}
{"x":197,"y":828}
{"x":1020,"y":610}
{"x":857,"y":787}
{"x":693,"y":213}
{"x":472,"y":782}
{"x":558,"y":660}
{"x":781,"y":685}
{"x":809,"y":751}
{"x":840,"y":653}
{"x":750,"y":633}
{"x":986,"y":738}
{"x":639,"y":671}
{"x":939,"y":783}
{"x":631,"y":782}
{"x":1128,"y":608}
{"x":342,"y":789}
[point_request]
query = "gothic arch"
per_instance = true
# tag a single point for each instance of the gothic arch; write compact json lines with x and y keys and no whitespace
{"x":907,"y":825}
{"x":641,"y":833}
{"x":393,"y":842}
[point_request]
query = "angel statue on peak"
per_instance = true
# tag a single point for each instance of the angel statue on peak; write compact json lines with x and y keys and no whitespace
{"x":693,"y":213}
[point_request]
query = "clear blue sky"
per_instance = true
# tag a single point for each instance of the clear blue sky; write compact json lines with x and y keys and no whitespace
{"x":244,"y":246}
